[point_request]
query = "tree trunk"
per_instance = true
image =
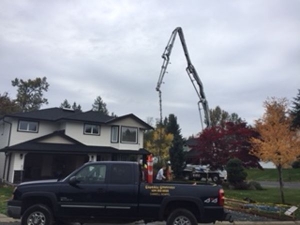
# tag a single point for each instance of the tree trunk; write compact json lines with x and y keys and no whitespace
{"x":279,"y":168}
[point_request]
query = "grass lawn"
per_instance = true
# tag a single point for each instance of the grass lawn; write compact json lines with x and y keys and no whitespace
{"x":288,"y":175}
{"x":270,"y":196}
{"x":5,"y":194}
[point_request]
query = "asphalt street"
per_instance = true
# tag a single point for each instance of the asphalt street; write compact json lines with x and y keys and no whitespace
{"x":295,"y":185}
{"x":220,"y":223}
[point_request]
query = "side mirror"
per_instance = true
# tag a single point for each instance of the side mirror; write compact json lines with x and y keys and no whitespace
{"x":73,"y":180}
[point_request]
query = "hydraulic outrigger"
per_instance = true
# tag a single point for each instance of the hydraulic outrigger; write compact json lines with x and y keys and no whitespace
{"x":191,"y":72}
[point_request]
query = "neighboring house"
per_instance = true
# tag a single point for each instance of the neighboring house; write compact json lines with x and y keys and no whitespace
{"x":191,"y":153}
{"x":53,"y":142}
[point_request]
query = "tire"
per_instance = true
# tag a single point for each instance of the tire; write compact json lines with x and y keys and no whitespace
{"x":181,"y":217}
{"x":37,"y":215}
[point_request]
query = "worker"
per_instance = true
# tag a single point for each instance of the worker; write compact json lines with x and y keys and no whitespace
{"x":160,"y":174}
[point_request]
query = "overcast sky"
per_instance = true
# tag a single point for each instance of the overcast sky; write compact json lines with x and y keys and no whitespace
{"x":243,"y":51}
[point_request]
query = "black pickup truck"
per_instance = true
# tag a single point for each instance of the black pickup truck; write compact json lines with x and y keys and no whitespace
{"x":114,"y":192}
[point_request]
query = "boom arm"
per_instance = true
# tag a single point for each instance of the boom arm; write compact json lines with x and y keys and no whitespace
{"x":191,"y":72}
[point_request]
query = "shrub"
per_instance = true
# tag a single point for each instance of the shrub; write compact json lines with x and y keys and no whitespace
{"x":236,"y":174}
{"x":241,"y":186}
{"x":253,"y":185}
{"x":296,"y":164}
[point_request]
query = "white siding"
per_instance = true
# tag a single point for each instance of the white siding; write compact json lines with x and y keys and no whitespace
{"x":44,"y":129}
{"x":75,"y":131}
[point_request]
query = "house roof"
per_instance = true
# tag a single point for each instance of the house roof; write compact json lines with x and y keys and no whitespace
{"x":69,"y":148}
{"x":57,"y":114}
{"x":192,"y":142}
{"x":73,"y":147}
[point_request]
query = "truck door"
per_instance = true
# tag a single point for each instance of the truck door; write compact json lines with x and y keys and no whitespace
{"x":86,"y":198}
{"x":122,"y":191}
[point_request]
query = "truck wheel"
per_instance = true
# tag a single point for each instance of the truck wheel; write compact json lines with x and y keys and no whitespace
{"x":182,"y":217}
{"x":37,"y":215}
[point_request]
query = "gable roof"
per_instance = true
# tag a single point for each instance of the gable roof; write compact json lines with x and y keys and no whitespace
{"x":132,"y":116}
{"x":59,"y":133}
{"x":57,"y":114}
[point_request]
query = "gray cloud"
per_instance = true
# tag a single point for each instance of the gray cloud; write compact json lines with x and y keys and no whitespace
{"x":243,"y":51}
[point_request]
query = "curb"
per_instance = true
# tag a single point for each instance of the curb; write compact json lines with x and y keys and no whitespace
{"x":261,"y":223}
{"x":6,"y":219}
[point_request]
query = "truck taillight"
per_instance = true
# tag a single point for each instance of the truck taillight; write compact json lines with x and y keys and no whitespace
{"x":221,"y":197}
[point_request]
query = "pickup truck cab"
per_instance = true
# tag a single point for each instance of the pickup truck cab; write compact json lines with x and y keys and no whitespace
{"x":113,"y":192}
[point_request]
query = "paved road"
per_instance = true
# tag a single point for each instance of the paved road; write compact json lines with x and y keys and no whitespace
{"x":220,"y":223}
{"x":295,"y":185}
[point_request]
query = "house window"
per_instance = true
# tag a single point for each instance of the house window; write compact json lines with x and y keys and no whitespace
{"x":91,"y":129}
{"x":115,"y":134}
{"x":28,"y":126}
{"x":129,"y":135}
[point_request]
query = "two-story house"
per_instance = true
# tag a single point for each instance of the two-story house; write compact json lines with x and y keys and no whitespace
{"x":53,"y":142}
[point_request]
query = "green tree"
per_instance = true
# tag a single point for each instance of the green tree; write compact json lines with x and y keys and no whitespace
{"x":176,"y":149}
{"x":295,"y":112}
{"x":76,"y":107}
{"x":30,"y":93}
{"x":100,"y":106}
{"x":65,"y":104}
{"x":219,"y":117}
{"x":7,"y":106}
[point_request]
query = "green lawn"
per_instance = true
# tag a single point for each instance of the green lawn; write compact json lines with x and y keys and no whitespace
{"x":5,"y":194}
{"x":288,"y":175}
{"x":269,"y":196}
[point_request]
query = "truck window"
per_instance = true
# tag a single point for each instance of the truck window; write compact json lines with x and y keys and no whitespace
{"x":92,"y":174}
{"x":121,"y":174}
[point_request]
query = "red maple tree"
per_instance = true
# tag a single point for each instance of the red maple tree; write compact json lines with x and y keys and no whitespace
{"x":216,"y":145}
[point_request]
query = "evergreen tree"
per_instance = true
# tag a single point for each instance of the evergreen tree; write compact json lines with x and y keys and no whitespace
{"x":220,"y":117}
{"x":76,"y":107}
{"x":65,"y":104}
{"x":176,"y":150}
{"x":295,"y":112}
{"x":30,"y":93}
{"x":100,"y":106}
